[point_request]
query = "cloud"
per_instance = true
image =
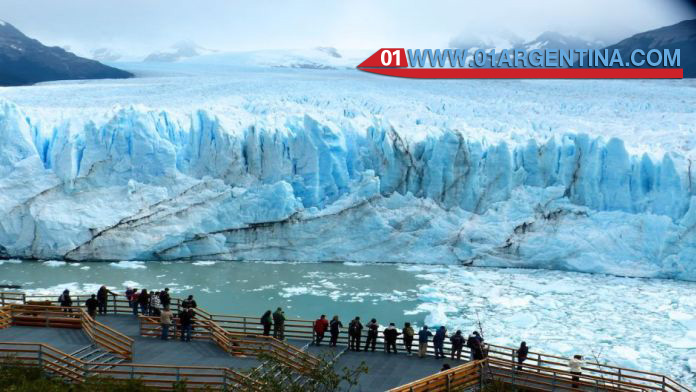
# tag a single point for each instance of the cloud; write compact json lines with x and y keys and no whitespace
{"x":133,"y":28}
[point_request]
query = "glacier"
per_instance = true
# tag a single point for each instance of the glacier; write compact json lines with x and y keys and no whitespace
{"x":293,"y":175}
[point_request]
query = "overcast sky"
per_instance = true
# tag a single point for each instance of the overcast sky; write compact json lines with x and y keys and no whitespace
{"x":135,"y":27}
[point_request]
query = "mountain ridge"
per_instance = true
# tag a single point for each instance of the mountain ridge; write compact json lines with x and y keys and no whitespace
{"x":26,"y":61}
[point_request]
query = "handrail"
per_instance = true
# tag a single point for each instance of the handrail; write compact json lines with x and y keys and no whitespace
{"x":74,"y":317}
{"x":457,"y":378}
{"x":240,"y":344}
{"x":72,"y":369}
{"x":107,"y":338}
{"x":5,"y":318}
{"x":303,"y":329}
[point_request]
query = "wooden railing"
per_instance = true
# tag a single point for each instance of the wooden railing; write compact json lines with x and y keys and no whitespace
{"x":5,"y":318}
{"x":75,"y":370}
{"x":107,"y":338}
{"x":72,"y":317}
{"x":459,"y":378}
{"x":238,"y":344}
{"x":242,"y":327}
{"x":10,"y":297}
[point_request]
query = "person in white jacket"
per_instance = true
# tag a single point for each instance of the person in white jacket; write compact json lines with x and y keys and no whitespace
{"x":576,"y":364}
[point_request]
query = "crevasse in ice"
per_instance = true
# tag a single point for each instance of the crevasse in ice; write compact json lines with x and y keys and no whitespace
{"x":150,"y":185}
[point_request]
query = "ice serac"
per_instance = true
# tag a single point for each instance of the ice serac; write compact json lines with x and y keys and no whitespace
{"x":154,"y":185}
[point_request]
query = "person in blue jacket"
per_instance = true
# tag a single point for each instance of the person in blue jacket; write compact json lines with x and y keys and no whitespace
{"x":423,"y":336}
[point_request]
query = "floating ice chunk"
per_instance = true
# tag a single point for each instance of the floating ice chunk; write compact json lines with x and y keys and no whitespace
{"x":10,"y":261}
{"x":126,"y":264}
{"x":522,"y":320}
{"x":288,"y":292}
{"x":54,"y":263}
{"x":131,"y":284}
{"x":204,"y":263}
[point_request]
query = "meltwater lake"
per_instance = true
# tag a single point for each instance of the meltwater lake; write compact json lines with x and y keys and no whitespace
{"x":645,"y":323}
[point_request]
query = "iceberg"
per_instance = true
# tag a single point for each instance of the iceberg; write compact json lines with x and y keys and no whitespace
{"x":135,"y":183}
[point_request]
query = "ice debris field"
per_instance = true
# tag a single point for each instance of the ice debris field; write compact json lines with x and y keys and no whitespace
{"x":197,"y":162}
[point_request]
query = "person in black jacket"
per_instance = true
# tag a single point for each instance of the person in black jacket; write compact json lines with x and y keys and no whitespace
{"x":91,"y":304}
{"x":65,"y":301}
{"x":335,"y":328}
{"x":475,"y":344}
{"x":144,"y":301}
{"x":390,"y":334}
{"x":372,"y":329}
{"x":457,"y":341}
{"x":186,"y":319}
{"x":102,"y":299}
{"x":267,"y":322}
{"x":355,"y":332}
{"x":165,"y":299}
{"x":522,"y":353}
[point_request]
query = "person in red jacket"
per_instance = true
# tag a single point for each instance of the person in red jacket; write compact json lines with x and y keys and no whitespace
{"x":320,"y":327}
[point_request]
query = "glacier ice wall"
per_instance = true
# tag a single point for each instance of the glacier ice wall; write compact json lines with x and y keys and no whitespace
{"x":147,"y":184}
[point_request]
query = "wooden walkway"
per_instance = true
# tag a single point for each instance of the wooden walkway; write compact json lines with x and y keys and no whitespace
{"x":225,"y":348}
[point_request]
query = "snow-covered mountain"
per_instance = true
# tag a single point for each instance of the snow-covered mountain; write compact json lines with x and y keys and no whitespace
{"x":179,"y":51}
{"x":316,"y":166}
{"x":509,"y":41}
{"x":26,"y":61}
{"x":106,"y":54}
{"x":323,"y":57}
{"x":680,"y":36}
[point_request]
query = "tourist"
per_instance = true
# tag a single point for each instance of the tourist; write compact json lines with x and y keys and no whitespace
{"x":129,"y":296}
{"x":144,"y":301}
{"x":445,"y":367}
{"x":320,"y":327}
{"x":279,"y":324}
{"x":189,"y":303}
{"x":355,"y":333}
{"x":92,"y":304}
{"x":65,"y":301}
{"x":457,"y":344}
{"x":155,"y":304}
{"x":186,"y":318}
{"x":408,"y":337}
{"x":165,"y":299}
{"x":522,"y":353}
{"x":102,"y":299}
{"x":372,"y":329}
{"x":134,"y":301}
{"x":423,"y":335}
{"x":439,"y":342}
{"x":475,"y":344}
{"x":267,"y":322}
{"x":166,"y":317}
{"x":390,"y":334}
{"x":576,"y":364}
{"x":335,"y":327}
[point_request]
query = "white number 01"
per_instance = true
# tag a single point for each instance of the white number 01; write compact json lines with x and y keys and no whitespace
{"x":387,"y":58}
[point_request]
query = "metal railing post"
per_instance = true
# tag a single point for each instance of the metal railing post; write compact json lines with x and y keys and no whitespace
{"x":449,"y":382}
{"x":178,"y":376}
{"x":132,"y":371}
{"x":245,"y":324}
{"x":41,"y":356}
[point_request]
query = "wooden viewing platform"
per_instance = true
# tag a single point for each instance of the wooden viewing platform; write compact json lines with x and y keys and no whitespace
{"x":225,"y":350}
